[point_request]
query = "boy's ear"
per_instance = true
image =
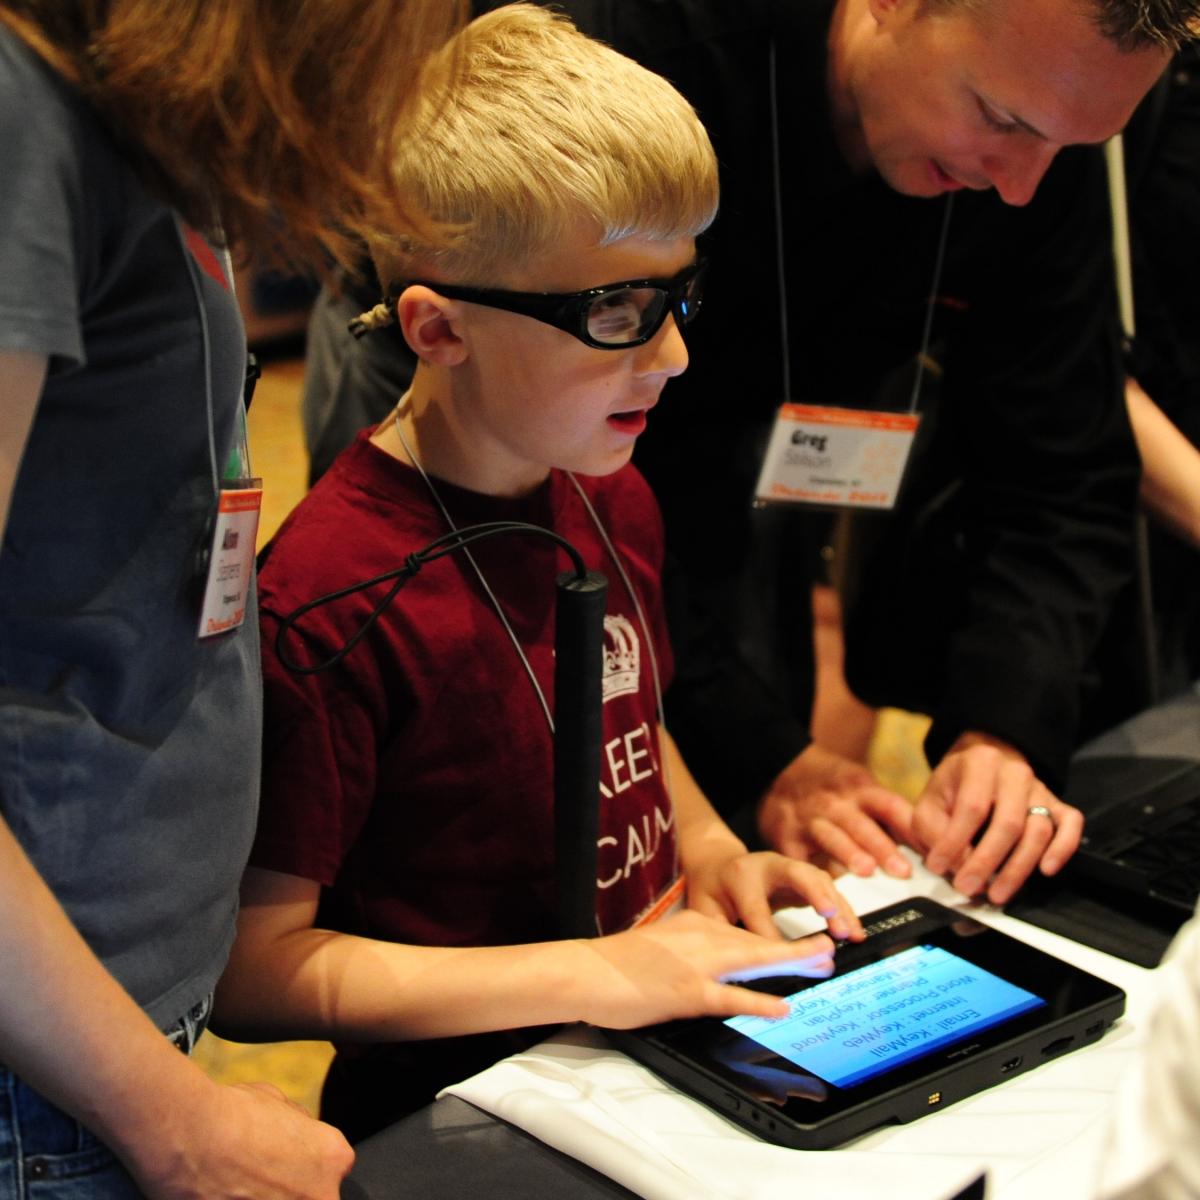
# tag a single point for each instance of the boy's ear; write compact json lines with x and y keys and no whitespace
{"x":431,"y":326}
{"x":884,"y":10}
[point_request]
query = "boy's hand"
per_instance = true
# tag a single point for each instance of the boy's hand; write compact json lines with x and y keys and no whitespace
{"x":824,"y":808}
{"x":673,"y":968}
{"x":746,"y":888}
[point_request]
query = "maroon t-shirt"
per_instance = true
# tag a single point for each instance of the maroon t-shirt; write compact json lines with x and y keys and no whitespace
{"x":414,"y":779}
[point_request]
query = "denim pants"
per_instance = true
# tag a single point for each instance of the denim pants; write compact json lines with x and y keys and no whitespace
{"x":47,"y":1155}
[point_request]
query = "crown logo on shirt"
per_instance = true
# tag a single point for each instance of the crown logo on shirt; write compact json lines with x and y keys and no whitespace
{"x":622,"y":658}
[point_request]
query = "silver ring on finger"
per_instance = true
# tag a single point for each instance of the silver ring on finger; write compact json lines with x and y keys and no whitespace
{"x":1040,"y":810}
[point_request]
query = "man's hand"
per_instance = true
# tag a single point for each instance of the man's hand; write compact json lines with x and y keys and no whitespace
{"x":243,"y":1140}
{"x":986,"y":784}
{"x":826,"y":809}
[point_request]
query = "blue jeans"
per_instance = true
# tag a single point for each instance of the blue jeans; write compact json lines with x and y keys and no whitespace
{"x":47,"y":1155}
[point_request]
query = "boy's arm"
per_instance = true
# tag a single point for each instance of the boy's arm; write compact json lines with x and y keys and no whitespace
{"x":287,"y":978}
{"x":69,"y":1030}
{"x":725,"y":881}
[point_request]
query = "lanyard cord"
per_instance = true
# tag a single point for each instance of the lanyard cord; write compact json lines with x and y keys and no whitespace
{"x":456,"y":539}
{"x":444,"y":545}
{"x":642,"y":622}
{"x":483,"y":583}
{"x":459,"y":539}
{"x":625,"y":580}
{"x":612,"y":553}
{"x":781,"y":270}
{"x":777,"y":183}
{"x":939,"y":260}
{"x":206,"y":347}
{"x":633,"y":596}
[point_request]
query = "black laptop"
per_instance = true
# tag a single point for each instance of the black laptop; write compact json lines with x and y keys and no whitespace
{"x":1141,"y":843}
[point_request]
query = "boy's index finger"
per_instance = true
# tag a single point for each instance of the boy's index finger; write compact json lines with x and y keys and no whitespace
{"x":811,"y":956}
{"x":840,"y":916}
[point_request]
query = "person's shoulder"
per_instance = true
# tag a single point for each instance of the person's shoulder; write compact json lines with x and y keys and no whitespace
{"x":55,"y":141}
{"x":325,"y":529}
{"x":352,"y":525}
{"x":46,"y":129}
{"x":38,"y":108}
{"x":24,"y":75}
{"x":51,"y":205}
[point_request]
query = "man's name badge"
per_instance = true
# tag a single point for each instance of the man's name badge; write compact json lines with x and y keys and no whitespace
{"x":231,"y":562}
{"x":836,"y":457}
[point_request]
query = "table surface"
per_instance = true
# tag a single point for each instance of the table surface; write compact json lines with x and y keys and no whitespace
{"x":451,"y":1148}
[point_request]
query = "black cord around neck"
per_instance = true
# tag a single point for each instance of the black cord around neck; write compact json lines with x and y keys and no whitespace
{"x":442,"y":546}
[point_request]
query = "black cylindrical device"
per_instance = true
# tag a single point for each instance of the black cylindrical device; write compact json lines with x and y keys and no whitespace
{"x":578,"y":674}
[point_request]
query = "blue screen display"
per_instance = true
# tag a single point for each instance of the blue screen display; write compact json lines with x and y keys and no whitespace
{"x":874,"y":1019}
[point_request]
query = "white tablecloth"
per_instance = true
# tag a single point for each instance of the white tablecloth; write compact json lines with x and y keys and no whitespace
{"x":1037,"y":1135}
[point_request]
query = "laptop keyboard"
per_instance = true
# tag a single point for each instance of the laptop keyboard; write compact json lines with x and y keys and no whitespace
{"x":1150,"y":844}
{"x":1165,"y":848}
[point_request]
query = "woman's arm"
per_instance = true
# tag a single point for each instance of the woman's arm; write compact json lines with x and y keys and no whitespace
{"x":72,"y":1032}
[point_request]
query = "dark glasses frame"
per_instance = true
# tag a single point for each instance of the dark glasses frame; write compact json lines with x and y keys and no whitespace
{"x":568,"y":311}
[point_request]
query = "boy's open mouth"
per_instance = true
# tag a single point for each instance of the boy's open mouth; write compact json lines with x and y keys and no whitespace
{"x":633,"y":421}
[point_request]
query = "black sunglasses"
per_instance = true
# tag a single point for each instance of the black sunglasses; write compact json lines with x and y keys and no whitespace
{"x":613,"y":317}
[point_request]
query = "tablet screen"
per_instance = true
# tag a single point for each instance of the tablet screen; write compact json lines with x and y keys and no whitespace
{"x":889,"y":1012}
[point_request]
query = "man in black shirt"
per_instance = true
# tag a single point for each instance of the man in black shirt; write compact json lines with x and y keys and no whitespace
{"x":987,"y":587}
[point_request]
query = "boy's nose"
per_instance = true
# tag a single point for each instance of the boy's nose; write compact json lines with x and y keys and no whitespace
{"x":665,"y":353}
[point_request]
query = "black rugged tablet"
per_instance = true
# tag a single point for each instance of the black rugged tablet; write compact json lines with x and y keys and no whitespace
{"x":932,"y":1007}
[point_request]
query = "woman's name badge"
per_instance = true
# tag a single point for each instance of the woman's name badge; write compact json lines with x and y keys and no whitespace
{"x":231,"y":560}
{"x":836,"y":457}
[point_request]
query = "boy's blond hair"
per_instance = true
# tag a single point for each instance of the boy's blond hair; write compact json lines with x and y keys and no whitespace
{"x":526,"y":129}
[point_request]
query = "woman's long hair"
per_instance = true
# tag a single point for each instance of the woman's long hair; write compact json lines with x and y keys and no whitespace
{"x":268,"y":123}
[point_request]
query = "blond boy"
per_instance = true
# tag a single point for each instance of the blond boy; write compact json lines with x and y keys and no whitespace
{"x":400,"y":892}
